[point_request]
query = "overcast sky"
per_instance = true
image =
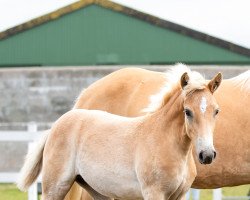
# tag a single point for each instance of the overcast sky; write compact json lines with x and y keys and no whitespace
{"x":225,"y":19}
{"x":14,"y":12}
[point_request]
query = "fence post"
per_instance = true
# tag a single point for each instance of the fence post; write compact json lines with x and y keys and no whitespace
{"x":32,"y":192}
{"x":217,"y":194}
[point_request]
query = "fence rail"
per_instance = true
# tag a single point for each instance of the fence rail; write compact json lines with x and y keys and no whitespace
{"x":19,"y":136}
{"x":8,"y":177}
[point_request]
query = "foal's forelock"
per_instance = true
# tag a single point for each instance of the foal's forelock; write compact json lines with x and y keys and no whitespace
{"x":196,"y":82}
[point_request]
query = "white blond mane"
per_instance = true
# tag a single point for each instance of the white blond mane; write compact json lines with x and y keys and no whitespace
{"x":242,"y":81}
{"x":173,"y":76}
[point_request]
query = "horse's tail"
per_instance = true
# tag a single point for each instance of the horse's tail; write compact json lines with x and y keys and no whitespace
{"x":32,"y":165}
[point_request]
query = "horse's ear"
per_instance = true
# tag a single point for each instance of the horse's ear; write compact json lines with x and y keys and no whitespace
{"x":184,"y":80}
{"x":215,"y":82}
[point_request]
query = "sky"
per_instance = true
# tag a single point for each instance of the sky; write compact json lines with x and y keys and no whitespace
{"x":225,"y":19}
{"x":15,"y":12}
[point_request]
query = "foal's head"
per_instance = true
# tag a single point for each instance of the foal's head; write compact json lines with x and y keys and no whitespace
{"x":200,"y":110}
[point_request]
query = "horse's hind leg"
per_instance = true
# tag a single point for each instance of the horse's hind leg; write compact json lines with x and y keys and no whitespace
{"x":57,"y":178}
{"x":55,"y":188}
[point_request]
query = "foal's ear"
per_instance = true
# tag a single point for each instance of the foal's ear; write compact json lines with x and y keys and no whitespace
{"x":215,"y":82}
{"x":184,"y":80}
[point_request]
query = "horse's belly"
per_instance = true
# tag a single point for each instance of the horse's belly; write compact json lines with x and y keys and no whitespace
{"x":112,"y":181}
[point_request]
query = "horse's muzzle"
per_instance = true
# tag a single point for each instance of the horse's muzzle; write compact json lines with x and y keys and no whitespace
{"x":207,"y":157}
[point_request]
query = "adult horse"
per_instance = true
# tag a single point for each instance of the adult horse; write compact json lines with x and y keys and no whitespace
{"x":126,"y":92}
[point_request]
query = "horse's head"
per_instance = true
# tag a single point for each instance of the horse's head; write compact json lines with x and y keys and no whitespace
{"x":200,"y":110}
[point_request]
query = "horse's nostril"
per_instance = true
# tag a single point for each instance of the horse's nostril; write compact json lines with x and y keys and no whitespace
{"x":214,"y":154}
{"x":208,"y":159}
{"x":201,"y":156}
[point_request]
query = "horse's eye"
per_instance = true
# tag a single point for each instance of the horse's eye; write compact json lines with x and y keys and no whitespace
{"x":188,"y":113}
{"x":216,"y":112}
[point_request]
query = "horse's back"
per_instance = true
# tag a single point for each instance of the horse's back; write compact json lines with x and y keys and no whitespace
{"x":122,"y":91}
{"x":79,"y":119}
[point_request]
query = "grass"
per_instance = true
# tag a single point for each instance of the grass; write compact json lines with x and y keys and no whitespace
{"x":226,"y":191}
{"x":237,"y":191}
{"x":10,"y":192}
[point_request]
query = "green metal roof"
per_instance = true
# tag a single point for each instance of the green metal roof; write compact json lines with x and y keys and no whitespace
{"x":103,"y":32}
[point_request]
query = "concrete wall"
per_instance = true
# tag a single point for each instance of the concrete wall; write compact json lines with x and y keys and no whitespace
{"x":44,"y":94}
{"x":41,"y":94}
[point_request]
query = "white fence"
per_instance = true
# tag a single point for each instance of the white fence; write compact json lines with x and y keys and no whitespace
{"x":28,"y":136}
{"x":32,"y":135}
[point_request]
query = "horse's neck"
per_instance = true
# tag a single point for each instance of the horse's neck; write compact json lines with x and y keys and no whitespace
{"x":169,"y":122}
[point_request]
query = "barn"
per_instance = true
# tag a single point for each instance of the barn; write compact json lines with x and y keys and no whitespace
{"x":101,"y":32}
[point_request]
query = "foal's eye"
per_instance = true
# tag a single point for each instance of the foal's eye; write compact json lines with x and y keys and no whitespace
{"x":216,"y":112}
{"x":188,"y":113}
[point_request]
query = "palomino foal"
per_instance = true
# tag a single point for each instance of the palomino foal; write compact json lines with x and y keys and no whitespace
{"x":148,"y":157}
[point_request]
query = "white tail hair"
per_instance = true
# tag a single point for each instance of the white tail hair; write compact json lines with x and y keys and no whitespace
{"x":32,"y":165}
